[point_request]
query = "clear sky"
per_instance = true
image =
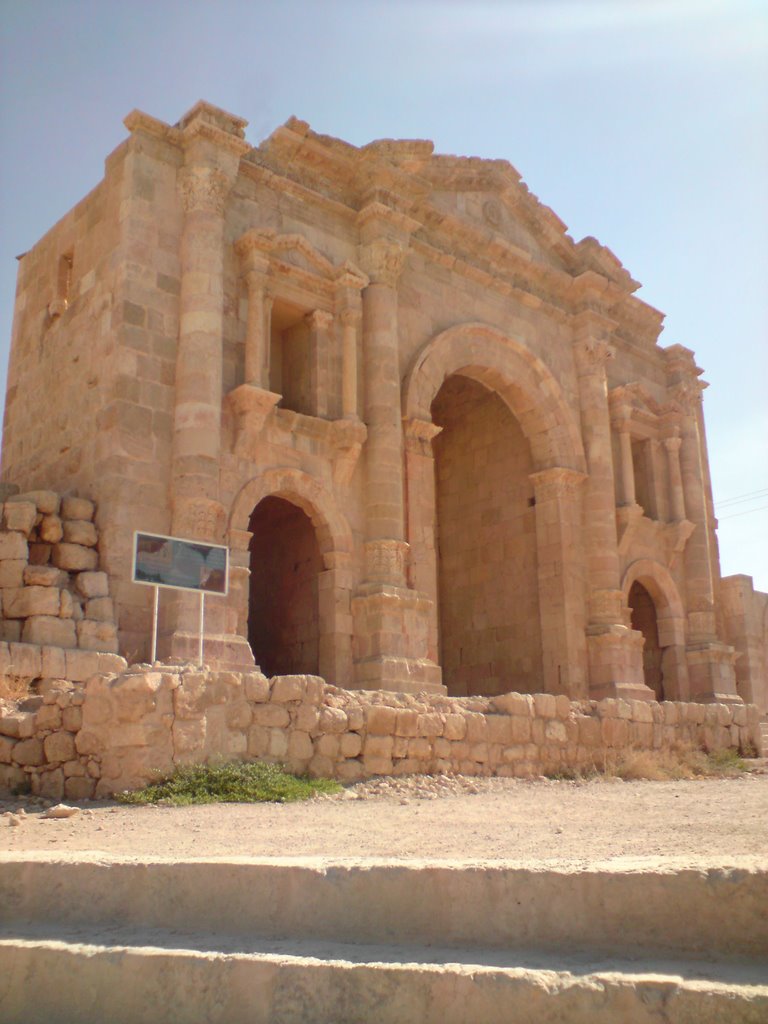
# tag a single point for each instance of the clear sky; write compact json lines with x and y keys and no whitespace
{"x":642,"y":122}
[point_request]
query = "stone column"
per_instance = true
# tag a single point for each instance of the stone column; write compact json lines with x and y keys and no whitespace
{"x":383,"y":260}
{"x":627,"y":464}
{"x":350,"y":321}
{"x":255,"y":263}
{"x":676,"y":496}
{"x":710,"y":662}
{"x":320,"y":323}
{"x":561,"y":580}
{"x":391,"y":620}
{"x":615,"y":651}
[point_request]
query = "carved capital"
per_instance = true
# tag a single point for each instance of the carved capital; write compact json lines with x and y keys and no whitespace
{"x":319,"y":320}
{"x":592,"y":354}
{"x":383,"y":260}
{"x":557,"y":482}
{"x":687,"y":393}
{"x":199,"y":519}
{"x":386,"y":561}
{"x":204,"y":189}
{"x":419,"y":435}
{"x":672,"y":443}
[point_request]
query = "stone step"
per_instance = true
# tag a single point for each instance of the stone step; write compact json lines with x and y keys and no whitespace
{"x":763,"y":739}
{"x":72,"y":976}
{"x":621,"y":907}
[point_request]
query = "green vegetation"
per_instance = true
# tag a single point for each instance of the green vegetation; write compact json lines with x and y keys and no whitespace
{"x":235,"y":782}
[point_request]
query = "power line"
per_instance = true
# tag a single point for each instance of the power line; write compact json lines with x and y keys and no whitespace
{"x":747,"y":512}
{"x":743,"y":497}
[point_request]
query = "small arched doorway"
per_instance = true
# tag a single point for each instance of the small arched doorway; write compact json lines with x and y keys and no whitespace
{"x":487,"y":572}
{"x":644,"y":619}
{"x":283,"y":606}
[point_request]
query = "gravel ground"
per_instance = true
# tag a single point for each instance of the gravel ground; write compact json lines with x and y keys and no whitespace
{"x":430,"y":817}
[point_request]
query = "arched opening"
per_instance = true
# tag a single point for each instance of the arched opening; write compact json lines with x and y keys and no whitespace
{"x":283,"y":615}
{"x":644,"y":619}
{"x":487,"y":574}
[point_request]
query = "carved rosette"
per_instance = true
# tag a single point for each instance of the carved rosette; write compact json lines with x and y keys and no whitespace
{"x":383,"y":261}
{"x":204,"y":190}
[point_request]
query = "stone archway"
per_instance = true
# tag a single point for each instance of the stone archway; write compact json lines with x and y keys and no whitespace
{"x":656,"y":610}
{"x":521,"y":382}
{"x":301,"y":518}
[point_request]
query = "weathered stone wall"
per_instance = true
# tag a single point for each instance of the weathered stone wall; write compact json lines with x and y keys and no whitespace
{"x":51,"y":591}
{"x":117,"y":731}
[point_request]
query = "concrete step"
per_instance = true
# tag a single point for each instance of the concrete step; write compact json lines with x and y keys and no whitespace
{"x":283,"y":940}
{"x":127,"y":977}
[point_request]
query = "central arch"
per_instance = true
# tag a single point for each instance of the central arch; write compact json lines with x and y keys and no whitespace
{"x":537,"y":453}
{"x":656,"y":611}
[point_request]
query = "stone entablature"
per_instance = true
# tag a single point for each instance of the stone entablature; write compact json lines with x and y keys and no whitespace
{"x":261,"y":330}
{"x":118,"y":731}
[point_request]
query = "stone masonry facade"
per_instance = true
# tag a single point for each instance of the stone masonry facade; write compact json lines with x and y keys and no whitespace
{"x":438,"y":436}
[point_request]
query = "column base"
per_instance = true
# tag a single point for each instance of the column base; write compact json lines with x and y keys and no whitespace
{"x":711,"y":673}
{"x":225,"y":652}
{"x":391,"y":629}
{"x":615,"y":655}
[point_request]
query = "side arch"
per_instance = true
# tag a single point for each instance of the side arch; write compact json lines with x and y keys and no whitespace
{"x":303,"y":490}
{"x":670,"y":621}
{"x":508,"y":367}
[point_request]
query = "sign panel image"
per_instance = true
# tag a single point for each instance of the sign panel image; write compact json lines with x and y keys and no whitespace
{"x":160,"y":561}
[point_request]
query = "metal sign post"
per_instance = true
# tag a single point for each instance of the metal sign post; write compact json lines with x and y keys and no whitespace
{"x":200,"y":637}
{"x":155,"y":604}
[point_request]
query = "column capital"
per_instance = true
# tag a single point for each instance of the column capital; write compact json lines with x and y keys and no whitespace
{"x":204,"y":189}
{"x":383,"y":260}
{"x":687,"y":393}
{"x":672,"y":442}
{"x":556,"y":482}
{"x":419,"y":435}
{"x":592,"y":354}
{"x":319,"y":319}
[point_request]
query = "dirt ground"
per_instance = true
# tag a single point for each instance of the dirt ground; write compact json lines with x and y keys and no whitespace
{"x":470,"y":819}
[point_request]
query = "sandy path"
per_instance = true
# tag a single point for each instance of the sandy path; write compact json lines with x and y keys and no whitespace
{"x":507,"y":819}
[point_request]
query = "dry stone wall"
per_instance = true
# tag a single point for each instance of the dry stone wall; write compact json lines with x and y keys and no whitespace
{"x":116,"y":731}
{"x":52,"y":593}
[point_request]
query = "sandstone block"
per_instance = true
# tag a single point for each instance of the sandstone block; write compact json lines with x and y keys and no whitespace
{"x":350,"y":744}
{"x":455,"y":727}
{"x":78,"y":532}
{"x":315,"y":689}
{"x":256,"y":687}
{"x":377,"y":765}
{"x":521,"y":729}
{"x":20,"y":516}
{"x":288,"y":688}
{"x":100,"y":609}
{"x":420,"y":748}
{"x":406,"y":722}
{"x":641,"y":711}
{"x":52,"y":787}
{"x":49,"y":630}
{"x":554,"y":730}
{"x":74,"y":769}
{"x":44,"y":576}
{"x":477,"y":727}
{"x":50,"y":530}
{"x":72,"y":719}
{"x":307,"y":717}
{"x":6,"y":746}
{"x":18,"y":725}
{"x":59,"y":746}
{"x":45,"y":501}
{"x":92,"y":584}
{"x":278,"y":743}
{"x":10,"y":630}
{"x":478,"y":752}
{"x":13,"y":779}
{"x":499,"y":728}
{"x":513,"y":704}
{"x":590,"y":732}
{"x":377,"y":747}
{"x":13,"y":546}
{"x":321,"y":767}
{"x":79,"y":789}
{"x":97,"y":636}
{"x":300,"y":746}
{"x":562,"y":706}
{"x":22,"y":602}
{"x":12,"y":572}
{"x":355,"y":717}
{"x":77,"y":508}
{"x":25,"y":660}
{"x":400,"y":746}
{"x":329,"y":745}
{"x":380,"y":720}
{"x":431,"y":725}
{"x":81,"y":665}
{"x":48,"y":717}
{"x":544,"y":705}
{"x":189,"y":736}
{"x":671,"y":714}
{"x":258,"y":741}
{"x":271,"y":715}
{"x":29,"y":752}
{"x":350,"y":771}
{"x":332,"y":720}
{"x":74,"y":557}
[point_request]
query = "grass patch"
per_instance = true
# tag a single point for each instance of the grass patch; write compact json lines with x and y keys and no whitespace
{"x":14,"y":689}
{"x":236,"y":782}
{"x":675,"y":763}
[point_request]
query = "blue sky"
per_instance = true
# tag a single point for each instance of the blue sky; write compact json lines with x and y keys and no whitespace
{"x":642,"y":122}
